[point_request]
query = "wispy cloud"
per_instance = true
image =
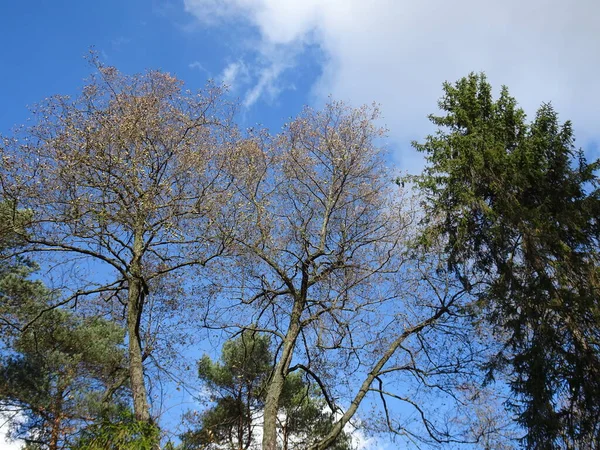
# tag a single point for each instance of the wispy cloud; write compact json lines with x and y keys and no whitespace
{"x":212,"y":11}
{"x":119,"y":42}
{"x":267,"y":73}
{"x":196,"y":65}
{"x":398,"y":52}
{"x":235,"y":75}
{"x":262,"y":69}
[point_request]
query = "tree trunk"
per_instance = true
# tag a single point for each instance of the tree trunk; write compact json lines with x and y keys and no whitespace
{"x":272,"y":402}
{"x":56,"y":425}
{"x":338,"y":427}
{"x":53,"y":444}
{"x":276,"y":382}
{"x":136,"y":367}
{"x":134,"y":314}
{"x":285,"y":435}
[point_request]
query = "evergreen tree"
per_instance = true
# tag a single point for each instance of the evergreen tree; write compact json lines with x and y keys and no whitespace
{"x":19,"y":294}
{"x":306,"y":417}
{"x":57,"y":370}
{"x":517,"y":207}
{"x":61,"y":374}
{"x":119,"y":430}
{"x":236,"y":385}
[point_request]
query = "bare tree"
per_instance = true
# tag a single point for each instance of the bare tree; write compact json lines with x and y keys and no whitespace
{"x":323,"y":263}
{"x":127,"y":176}
{"x":307,"y":237}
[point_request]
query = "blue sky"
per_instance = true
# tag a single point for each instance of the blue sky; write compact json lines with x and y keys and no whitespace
{"x":44,"y":43}
{"x":278,"y":55}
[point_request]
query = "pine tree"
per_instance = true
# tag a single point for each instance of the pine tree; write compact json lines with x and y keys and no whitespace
{"x":517,"y":206}
{"x":58,"y":374}
{"x":58,"y":370}
{"x":236,"y":384}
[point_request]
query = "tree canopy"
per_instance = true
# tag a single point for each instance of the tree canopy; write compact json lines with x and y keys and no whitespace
{"x":58,"y":370}
{"x":125,"y":175}
{"x":517,"y":207}
{"x":328,"y":297}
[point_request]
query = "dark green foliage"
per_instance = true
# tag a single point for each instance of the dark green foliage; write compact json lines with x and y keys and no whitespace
{"x":517,"y":206}
{"x":12,"y":225}
{"x":307,"y":417}
{"x":57,"y":369}
{"x":61,"y":374}
{"x":245,"y":363}
{"x":119,"y":431}
{"x":236,"y":385}
{"x":19,"y":295}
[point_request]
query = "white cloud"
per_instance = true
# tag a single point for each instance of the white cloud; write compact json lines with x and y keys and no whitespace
{"x":398,"y":52}
{"x":273,"y":54}
{"x":268,"y":81}
{"x":4,"y":443}
{"x":196,"y":65}
{"x":230,"y":74}
{"x":360,"y":441}
{"x":234,"y":75}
